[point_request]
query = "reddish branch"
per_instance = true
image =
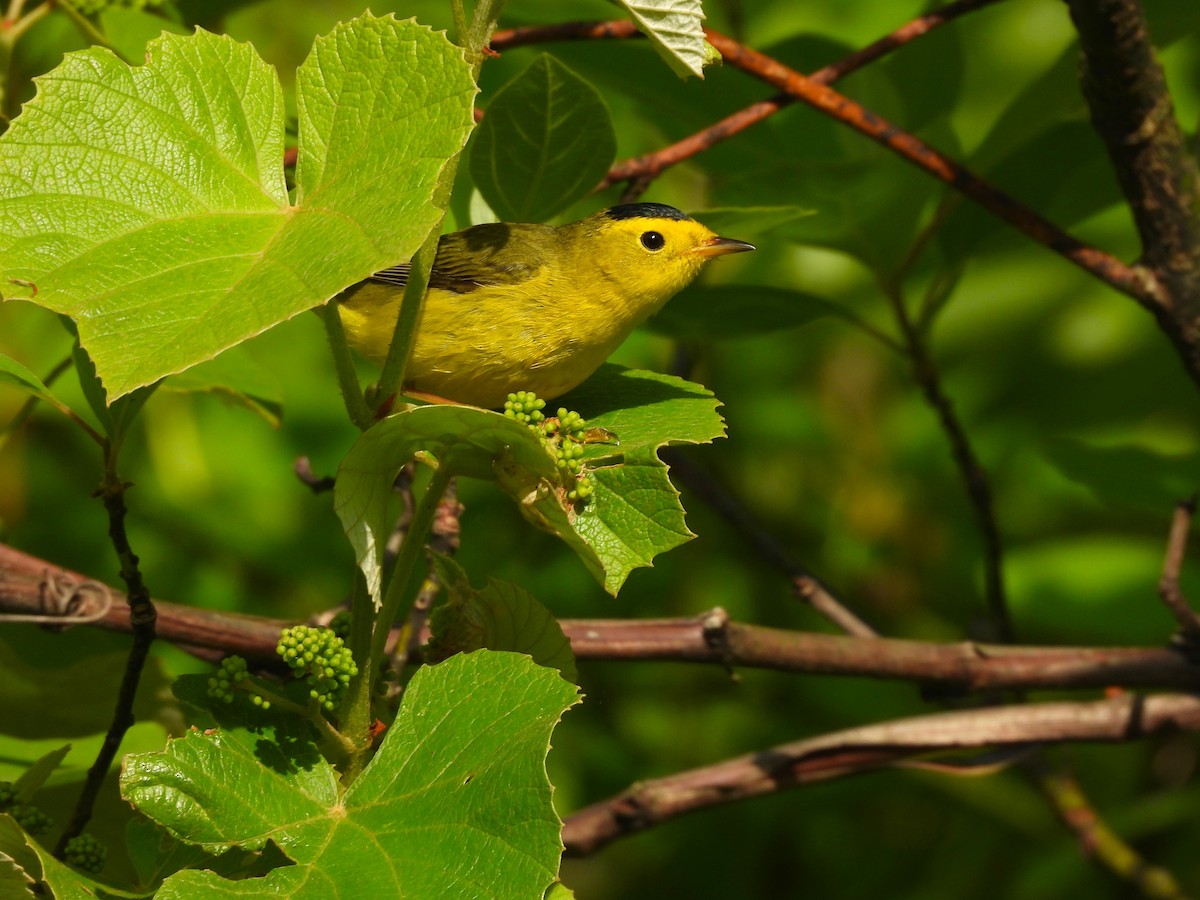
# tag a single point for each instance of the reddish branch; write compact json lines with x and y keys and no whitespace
{"x":653,"y":164}
{"x":1136,"y":282}
{"x":1122,"y":43}
{"x":859,"y":750}
{"x":710,"y":638}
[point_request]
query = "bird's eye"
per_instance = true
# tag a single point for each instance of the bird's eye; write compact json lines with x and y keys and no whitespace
{"x":652,"y":240}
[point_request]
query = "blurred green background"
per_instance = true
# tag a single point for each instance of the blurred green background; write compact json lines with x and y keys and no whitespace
{"x":1074,"y":402}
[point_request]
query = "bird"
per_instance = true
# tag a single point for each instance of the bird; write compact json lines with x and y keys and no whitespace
{"x":519,"y":306}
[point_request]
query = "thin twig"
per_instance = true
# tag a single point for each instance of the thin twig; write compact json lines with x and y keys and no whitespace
{"x":806,"y":585}
{"x":142,"y":616}
{"x":87,"y":30}
{"x":1097,"y":839}
{"x":511,"y":38}
{"x":1169,"y":587}
{"x":975,"y":478}
{"x":858,"y":750}
{"x":1135,"y":281}
{"x":443,"y":539}
{"x":812,"y":592}
{"x":653,"y":164}
{"x":316,"y":483}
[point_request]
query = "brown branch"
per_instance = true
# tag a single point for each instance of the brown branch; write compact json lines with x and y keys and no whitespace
{"x":1135,"y":281}
{"x":618,"y":29}
{"x":706,"y":639}
{"x":1132,"y":111}
{"x":1098,"y":840}
{"x":858,"y":750}
{"x":1168,"y":586}
{"x":23,"y":578}
{"x":654,"y":164}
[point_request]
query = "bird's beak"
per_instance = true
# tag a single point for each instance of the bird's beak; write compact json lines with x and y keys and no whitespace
{"x":719,"y":246}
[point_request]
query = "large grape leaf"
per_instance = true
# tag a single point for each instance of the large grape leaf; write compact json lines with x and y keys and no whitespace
{"x":455,"y":803}
{"x":148,"y":203}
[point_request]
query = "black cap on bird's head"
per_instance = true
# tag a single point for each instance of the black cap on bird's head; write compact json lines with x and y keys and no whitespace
{"x":645,"y":211}
{"x":692,"y":238}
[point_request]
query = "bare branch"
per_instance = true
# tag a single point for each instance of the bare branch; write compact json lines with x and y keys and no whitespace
{"x":1134,"y":115}
{"x":974,"y":476}
{"x":806,"y":585}
{"x":707,"y":639}
{"x":1098,"y":840}
{"x":1168,"y":586}
{"x":1137,"y":282}
{"x":858,"y":750}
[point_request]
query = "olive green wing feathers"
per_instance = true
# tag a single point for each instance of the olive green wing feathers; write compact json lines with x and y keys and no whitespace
{"x":494,"y":254}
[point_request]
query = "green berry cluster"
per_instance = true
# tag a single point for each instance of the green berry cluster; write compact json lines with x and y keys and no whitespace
{"x":585,"y":486}
{"x":86,"y":852}
{"x":322,"y":658}
{"x":230,"y":675}
{"x":563,"y":436}
{"x":28,"y":816}
{"x":526,"y":407}
{"x":568,"y":424}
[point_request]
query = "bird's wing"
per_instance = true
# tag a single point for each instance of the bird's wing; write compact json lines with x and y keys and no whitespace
{"x":482,"y":255}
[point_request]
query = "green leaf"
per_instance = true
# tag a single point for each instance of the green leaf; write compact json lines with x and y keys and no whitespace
{"x":1127,"y":475}
{"x":20,"y":868}
{"x":546,"y":142}
{"x":149,"y":203}
{"x":674,"y":29}
{"x":501,"y":616}
{"x":236,"y":377}
{"x":16,"y":375}
{"x":65,"y":699}
{"x":644,"y":410}
{"x":735,"y":311}
{"x":468,"y":440}
{"x":35,"y":861}
{"x":35,"y":776}
{"x":455,"y":803}
{"x":746,"y":221}
{"x":634,"y":515}
{"x":15,"y":883}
